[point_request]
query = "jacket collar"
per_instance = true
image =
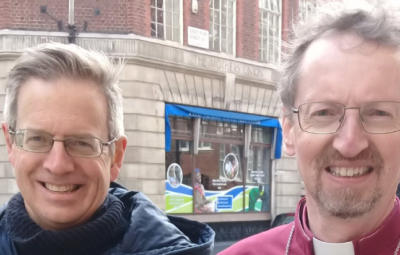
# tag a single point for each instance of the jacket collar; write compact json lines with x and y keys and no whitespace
{"x":386,"y":235}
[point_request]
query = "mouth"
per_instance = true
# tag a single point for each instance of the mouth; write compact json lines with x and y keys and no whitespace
{"x":349,"y":172}
{"x":61,"y":188}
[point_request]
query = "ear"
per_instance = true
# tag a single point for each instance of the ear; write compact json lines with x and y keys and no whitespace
{"x":287,"y":129}
{"x":120,"y":147}
{"x":9,"y":141}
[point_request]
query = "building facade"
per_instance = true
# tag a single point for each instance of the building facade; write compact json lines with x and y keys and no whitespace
{"x":201,"y":110}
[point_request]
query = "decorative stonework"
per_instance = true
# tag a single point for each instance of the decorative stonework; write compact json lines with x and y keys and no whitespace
{"x":147,"y":49}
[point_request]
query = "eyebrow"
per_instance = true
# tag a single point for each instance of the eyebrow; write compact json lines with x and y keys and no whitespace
{"x":67,"y":135}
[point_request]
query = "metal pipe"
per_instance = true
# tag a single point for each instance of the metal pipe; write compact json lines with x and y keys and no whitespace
{"x":71,"y":12}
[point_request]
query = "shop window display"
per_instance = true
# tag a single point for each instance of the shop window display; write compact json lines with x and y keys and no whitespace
{"x":218,"y":178}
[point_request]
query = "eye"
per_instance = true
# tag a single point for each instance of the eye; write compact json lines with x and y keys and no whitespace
{"x":83,"y":144}
{"x":37,"y":139}
{"x":323,"y":112}
{"x":379,"y":113}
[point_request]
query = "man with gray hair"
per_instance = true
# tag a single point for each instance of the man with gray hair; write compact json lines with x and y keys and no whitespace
{"x":340,"y":89}
{"x":65,"y":139}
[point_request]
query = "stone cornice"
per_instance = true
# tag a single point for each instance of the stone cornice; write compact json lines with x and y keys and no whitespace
{"x":153,"y":51}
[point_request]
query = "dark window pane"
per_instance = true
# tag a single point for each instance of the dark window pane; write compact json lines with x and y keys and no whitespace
{"x":153,"y":30}
{"x":178,"y":177}
{"x":258,"y":179}
{"x":160,"y":31}
{"x":219,"y":170}
{"x":160,"y":16}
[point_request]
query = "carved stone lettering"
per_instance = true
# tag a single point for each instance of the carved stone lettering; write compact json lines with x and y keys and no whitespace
{"x":228,"y":66}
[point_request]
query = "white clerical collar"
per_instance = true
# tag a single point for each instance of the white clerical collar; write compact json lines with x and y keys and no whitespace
{"x":322,"y":248}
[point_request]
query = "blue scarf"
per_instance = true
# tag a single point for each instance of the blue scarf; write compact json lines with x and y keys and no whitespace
{"x":102,"y":232}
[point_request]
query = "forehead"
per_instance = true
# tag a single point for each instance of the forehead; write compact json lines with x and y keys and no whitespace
{"x":62,"y":107}
{"x":345,"y":67}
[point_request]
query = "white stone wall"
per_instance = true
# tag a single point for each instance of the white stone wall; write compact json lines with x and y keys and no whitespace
{"x":288,"y":188}
{"x":156,"y":73}
{"x":8,"y":186}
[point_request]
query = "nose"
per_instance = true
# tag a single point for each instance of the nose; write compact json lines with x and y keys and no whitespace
{"x":57,"y":160}
{"x":351,"y":138}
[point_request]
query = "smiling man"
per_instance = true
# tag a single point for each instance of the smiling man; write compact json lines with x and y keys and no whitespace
{"x":65,"y":139}
{"x":340,"y":90}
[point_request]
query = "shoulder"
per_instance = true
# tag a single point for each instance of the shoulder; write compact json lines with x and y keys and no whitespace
{"x":270,"y":242}
{"x":154,"y":232}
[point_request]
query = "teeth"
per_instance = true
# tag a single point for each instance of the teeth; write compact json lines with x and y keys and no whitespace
{"x":348,"y":171}
{"x":63,"y":188}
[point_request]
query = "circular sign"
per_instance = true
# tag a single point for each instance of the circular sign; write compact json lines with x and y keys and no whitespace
{"x":174,"y":175}
{"x":231,"y":167}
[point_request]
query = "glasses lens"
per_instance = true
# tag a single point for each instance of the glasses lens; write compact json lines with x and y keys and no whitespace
{"x":322,"y":118}
{"x":83,"y":146}
{"x":380,"y":117}
{"x":32,"y":140}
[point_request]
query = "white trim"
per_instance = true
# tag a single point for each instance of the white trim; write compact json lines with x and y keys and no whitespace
{"x":133,"y":37}
{"x":234,"y":28}
{"x":181,"y":21}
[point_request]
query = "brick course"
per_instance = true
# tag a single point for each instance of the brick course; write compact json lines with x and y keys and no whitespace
{"x":117,"y":16}
{"x":247,"y":29}
{"x":134,"y":16}
{"x":201,"y":19}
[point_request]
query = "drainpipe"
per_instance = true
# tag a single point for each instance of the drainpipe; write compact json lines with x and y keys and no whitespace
{"x":71,"y":23}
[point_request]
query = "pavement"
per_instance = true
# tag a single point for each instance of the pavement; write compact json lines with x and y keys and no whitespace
{"x":218,"y":247}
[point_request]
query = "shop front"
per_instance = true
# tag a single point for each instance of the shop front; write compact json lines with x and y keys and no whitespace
{"x":218,"y":162}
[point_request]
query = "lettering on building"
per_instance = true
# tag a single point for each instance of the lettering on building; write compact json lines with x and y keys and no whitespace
{"x":228,"y":66}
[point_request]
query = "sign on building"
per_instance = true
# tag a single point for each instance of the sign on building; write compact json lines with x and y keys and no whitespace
{"x":198,"y":37}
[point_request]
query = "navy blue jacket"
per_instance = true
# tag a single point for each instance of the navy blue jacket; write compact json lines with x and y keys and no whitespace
{"x":151,"y":232}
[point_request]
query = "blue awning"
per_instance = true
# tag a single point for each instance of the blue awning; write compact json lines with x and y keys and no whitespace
{"x":220,"y":115}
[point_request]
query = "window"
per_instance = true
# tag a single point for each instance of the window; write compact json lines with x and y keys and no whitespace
{"x":166,"y":19}
{"x":307,"y":8}
{"x":270,"y":31}
{"x":259,"y":170}
{"x":222,"y":25}
{"x":217,"y":178}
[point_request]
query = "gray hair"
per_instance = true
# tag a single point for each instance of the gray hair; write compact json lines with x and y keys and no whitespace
{"x":53,"y":61}
{"x":377,"y":21}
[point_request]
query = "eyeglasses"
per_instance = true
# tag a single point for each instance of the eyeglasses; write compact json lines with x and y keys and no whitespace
{"x":327,"y":118}
{"x":76,"y":146}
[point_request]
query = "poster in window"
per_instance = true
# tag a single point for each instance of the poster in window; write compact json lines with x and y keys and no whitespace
{"x":218,"y":179}
{"x":174,"y":174}
{"x":231,"y":167}
{"x":178,"y":196}
{"x":258,"y":198}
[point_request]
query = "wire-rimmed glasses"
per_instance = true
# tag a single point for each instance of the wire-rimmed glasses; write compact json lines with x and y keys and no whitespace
{"x":327,"y":117}
{"x":76,"y":146}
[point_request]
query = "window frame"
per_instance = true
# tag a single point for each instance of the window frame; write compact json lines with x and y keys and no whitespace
{"x":244,"y":167}
{"x":220,"y":27}
{"x":180,"y":26}
{"x":279,"y":32}
{"x":304,"y":15}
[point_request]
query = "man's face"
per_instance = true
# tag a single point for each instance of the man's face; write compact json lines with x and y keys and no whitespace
{"x":63,"y":108}
{"x":344,"y":70}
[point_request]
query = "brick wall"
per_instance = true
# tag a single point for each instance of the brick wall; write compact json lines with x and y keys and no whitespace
{"x":134,"y":16}
{"x":247,"y":29}
{"x":5,"y":13}
{"x":200,"y":19}
{"x":290,"y":11}
{"x":139,"y":16}
{"x":117,"y":16}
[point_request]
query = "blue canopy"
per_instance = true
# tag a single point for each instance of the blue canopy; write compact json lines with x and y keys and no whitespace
{"x":219,"y":115}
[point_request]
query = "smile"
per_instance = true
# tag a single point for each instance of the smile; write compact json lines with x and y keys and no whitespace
{"x":349,"y":171}
{"x":61,"y":188}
